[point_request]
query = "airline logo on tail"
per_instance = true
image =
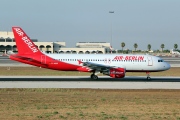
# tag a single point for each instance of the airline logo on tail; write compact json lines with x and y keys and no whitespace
{"x":26,"y":40}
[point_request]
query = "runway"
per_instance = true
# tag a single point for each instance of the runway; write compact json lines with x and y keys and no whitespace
{"x":128,"y":82}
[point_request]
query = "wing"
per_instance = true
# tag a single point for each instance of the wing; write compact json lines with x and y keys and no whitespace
{"x":97,"y":67}
{"x":26,"y":59}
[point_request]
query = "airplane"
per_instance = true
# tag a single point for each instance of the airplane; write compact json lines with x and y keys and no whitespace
{"x":113,"y":65}
{"x":174,"y":52}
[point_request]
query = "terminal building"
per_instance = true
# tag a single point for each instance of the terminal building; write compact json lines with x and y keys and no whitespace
{"x":7,"y":43}
{"x":88,"y":48}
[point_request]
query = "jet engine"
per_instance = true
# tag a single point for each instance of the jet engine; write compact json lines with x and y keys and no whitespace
{"x":116,"y":72}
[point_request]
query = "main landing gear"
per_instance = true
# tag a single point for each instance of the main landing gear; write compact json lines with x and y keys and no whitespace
{"x":148,"y":75}
{"x":94,"y":77}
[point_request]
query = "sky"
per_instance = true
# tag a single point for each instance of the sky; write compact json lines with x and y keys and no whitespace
{"x":143,"y":22}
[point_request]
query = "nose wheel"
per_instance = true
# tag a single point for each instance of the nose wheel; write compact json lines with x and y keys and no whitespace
{"x":148,"y":78}
{"x":148,"y":75}
{"x":94,"y":77}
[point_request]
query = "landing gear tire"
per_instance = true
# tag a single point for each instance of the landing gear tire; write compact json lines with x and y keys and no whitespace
{"x":91,"y":76}
{"x":148,"y":75}
{"x":94,"y":77}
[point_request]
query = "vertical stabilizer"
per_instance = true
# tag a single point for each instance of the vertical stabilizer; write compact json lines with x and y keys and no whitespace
{"x":24,"y":44}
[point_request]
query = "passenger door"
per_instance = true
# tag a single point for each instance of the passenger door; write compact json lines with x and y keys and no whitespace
{"x":150,"y":61}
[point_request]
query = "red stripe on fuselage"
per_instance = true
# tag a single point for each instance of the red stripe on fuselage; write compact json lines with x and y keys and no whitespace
{"x":50,"y":63}
{"x":58,"y":65}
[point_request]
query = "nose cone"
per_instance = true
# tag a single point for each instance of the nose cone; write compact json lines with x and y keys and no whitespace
{"x":167,"y":66}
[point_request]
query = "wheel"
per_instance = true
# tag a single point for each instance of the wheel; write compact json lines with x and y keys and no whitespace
{"x":148,"y":75}
{"x":91,"y":76}
{"x":94,"y":77}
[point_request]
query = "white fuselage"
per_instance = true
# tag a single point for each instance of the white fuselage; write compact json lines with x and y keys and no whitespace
{"x":136,"y":63}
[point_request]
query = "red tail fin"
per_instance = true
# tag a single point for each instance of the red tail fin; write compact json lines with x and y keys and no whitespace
{"x":24,"y":44}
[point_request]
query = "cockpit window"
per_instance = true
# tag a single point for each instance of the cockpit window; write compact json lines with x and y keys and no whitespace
{"x":160,"y":61}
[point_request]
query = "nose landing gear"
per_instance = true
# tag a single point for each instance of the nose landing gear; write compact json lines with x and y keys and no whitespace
{"x":148,"y":75}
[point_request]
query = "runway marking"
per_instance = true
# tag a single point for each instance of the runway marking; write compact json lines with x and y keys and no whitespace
{"x":85,"y":82}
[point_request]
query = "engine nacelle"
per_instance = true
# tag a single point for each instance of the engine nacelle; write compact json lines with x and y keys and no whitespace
{"x":116,"y":72}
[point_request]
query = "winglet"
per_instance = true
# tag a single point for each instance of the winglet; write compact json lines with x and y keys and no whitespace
{"x":24,"y":44}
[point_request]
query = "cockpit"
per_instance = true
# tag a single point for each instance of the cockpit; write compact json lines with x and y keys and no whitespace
{"x":161,"y":60}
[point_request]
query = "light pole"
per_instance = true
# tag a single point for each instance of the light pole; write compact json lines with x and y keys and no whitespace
{"x":111,"y":12}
